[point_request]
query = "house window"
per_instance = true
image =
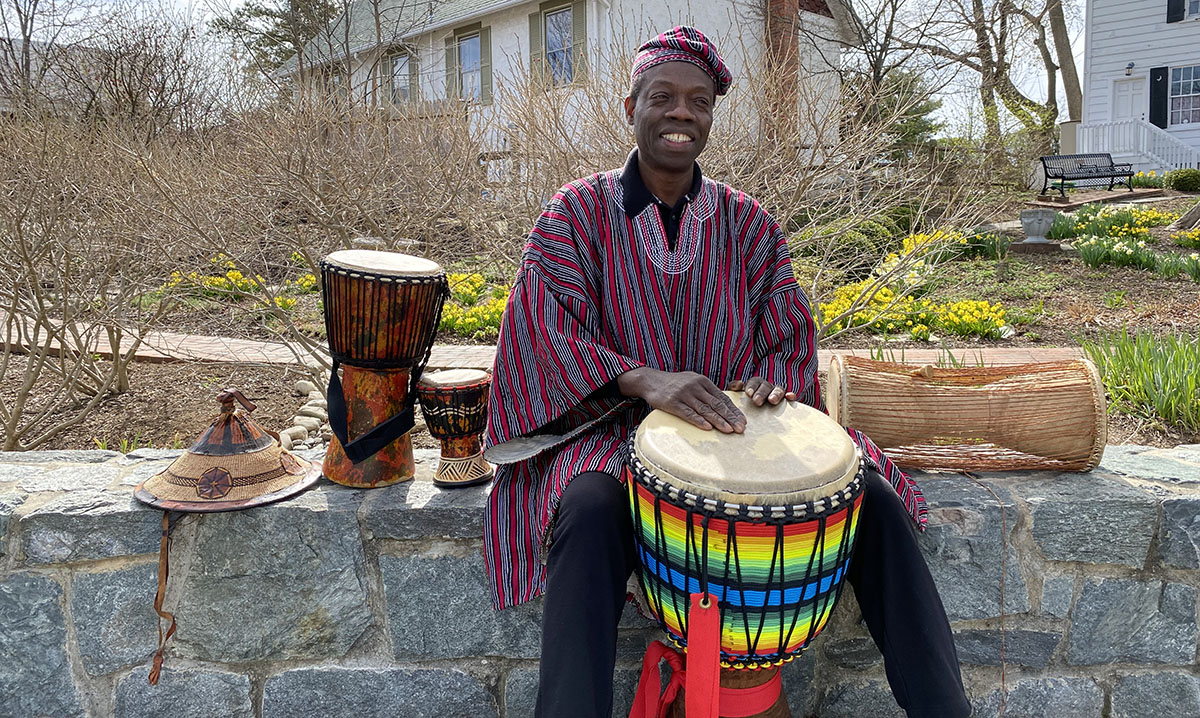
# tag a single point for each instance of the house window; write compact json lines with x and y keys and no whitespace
{"x":559,"y":46}
{"x":1194,"y":8}
{"x":398,"y":78}
{"x":1185,"y":95}
{"x":470,"y":68}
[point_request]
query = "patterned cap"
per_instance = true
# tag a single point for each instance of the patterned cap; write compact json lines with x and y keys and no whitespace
{"x":684,"y":44}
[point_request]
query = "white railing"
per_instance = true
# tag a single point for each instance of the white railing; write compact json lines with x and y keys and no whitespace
{"x":1136,"y":137}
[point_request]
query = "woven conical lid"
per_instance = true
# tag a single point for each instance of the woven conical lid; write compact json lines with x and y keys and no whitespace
{"x":235,"y":464}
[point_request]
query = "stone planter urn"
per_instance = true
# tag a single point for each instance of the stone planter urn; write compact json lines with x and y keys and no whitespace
{"x":1036,"y":223}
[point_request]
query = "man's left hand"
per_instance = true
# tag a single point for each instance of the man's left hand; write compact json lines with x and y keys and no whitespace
{"x":760,"y":390}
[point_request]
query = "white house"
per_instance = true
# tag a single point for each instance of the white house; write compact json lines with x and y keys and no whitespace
{"x":464,"y":50}
{"x":1141,"y":82}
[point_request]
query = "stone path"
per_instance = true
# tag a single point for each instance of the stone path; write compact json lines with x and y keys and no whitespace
{"x":171,"y":346}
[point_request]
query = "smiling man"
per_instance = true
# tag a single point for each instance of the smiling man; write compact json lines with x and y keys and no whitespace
{"x":654,"y":287}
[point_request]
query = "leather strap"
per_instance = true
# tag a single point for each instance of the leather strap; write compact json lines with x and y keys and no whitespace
{"x":648,"y":702}
{"x":370,"y":443}
{"x":702,"y":695}
{"x":163,"y":574}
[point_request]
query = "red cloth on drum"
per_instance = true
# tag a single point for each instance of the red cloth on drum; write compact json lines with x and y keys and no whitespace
{"x":599,"y":293}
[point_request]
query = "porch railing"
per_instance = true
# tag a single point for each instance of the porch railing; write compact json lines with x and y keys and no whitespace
{"x":1136,"y":137}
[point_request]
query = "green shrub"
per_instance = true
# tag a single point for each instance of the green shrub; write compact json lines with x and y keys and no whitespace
{"x":861,"y":243}
{"x":986,"y":245}
{"x":1184,"y":180}
{"x":1150,"y":377}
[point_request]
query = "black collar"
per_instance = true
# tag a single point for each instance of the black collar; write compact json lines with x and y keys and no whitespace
{"x":637,"y":196}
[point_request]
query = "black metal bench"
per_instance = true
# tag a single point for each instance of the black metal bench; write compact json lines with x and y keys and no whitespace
{"x":1077,"y":168}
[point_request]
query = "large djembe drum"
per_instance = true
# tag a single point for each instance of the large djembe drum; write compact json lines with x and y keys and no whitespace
{"x":382,"y":311}
{"x":761,"y":522}
{"x":455,"y":404}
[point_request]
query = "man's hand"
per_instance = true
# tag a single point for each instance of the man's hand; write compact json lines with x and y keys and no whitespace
{"x":690,"y":396}
{"x":760,"y":390}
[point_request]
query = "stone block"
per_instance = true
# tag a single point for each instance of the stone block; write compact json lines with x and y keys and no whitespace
{"x":35,"y":676}
{"x":1180,"y":465}
{"x":315,"y":412}
{"x":855,"y":699}
{"x":1021,"y":648}
{"x":8,"y":504}
{"x":89,"y":525}
{"x":852,"y":652}
{"x":418,"y":509}
{"x":184,"y":693}
{"x":520,"y":691}
{"x":1157,"y":695}
{"x":1045,"y":698}
{"x":439,"y":606}
{"x":1180,"y":544}
{"x":310,"y":423}
{"x":75,"y":477}
{"x":1127,"y":621}
{"x":798,"y":684}
{"x":280,"y":582}
{"x":357,"y":693}
{"x":1057,"y":594}
{"x":964,"y":546}
{"x":295,"y":433}
{"x":1091,"y":518}
{"x":19,"y":474}
{"x":153,"y":454}
{"x":115,"y":622}
{"x":142,"y":470}
{"x":90,"y":456}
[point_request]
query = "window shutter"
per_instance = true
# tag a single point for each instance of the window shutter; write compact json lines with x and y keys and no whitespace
{"x":485,"y":65}
{"x":1176,"y":10}
{"x":579,"y":40}
{"x":452,"y":92}
{"x":414,"y":77}
{"x":537,"y":53}
{"x":1158,"y":96}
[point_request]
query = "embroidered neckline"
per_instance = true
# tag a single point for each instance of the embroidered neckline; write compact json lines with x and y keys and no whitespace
{"x":652,"y":236}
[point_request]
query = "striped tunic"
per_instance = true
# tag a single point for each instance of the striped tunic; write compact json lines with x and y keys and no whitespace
{"x":599,"y":293}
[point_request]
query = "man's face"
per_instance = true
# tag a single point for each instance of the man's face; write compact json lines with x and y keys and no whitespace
{"x":671,"y":115}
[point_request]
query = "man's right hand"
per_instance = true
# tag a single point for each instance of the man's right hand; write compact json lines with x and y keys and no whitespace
{"x":690,"y":396}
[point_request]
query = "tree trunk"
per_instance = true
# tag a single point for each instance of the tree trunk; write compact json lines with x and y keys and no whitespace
{"x":1190,"y":219}
{"x":1066,"y":60}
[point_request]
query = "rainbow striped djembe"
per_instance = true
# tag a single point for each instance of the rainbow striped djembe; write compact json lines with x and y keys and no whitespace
{"x":762,"y":522}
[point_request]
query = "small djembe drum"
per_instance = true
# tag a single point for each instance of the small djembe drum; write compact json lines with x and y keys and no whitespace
{"x":455,"y":404}
{"x":762,"y":523}
{"x":382,"y":311}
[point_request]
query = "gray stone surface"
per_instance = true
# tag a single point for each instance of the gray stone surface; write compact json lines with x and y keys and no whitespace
{"x":8,"y":504}
{"x":1157,"y":695}
{"x":1021,"y":648}
{"x":279,"y":582}
{"x":1127,"y":621}
{"x":798,"y":684}
{"x":311,"y":424}
{"x":35,"y":677}
{"x":448,"y":583}
{"x":20,"y":473}
{"x":142,"y":470}
{"x":852,"y":651}
{"x":115,"y":622}
{"x":963,"y":546}
{"x":184,"y":693}
{"x":56,"y":457}
{"x":418,"y":509}
{"x":74,"y":477}
{"x":88,"y":525}
{"x":858,"y":699}
{"x":520,"y":691}
{"x":315,"y":412}
{"x":1091,"y":518}
{"x":359,"y":693}
{"x":1045,"y":698}
{"x":154,"y":454}
{"x":1180,"y":465}
{"x":1057,"y":593}
{"x":295,"y":433}
{"x":1180,"y":543}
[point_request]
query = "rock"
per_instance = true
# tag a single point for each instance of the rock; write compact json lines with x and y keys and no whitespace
{"x":115,"y":622}
{"x":88,"y":525}
{"x":1057,"y":594}
{"x":184,"y":693}
{"x":1177,"y":466}
{"x":1045,"y":698}
{"x":297,"y":433}
{"x":1180,"y":545}
{"x":315,"y":412}
{"x":280,"y":582}
{"x":1022,"y":648}
{"x":357,"y":693}
{"x":154,"y":454}
{"x":19,"y":473}
{"x":285,"y":442}
{"x":853,"y":652}
{"x":73,"y":478}
{"x":520,"y":691}
{"x":310,"y":423}
{"x":798,"y":686}
{"x":8,"y":504}
{"x":963,"y":546}
{"x":313,"y":395}
{"x":304,"y":388}
{"x":418,"y":509}
{"x":142,"y":470}
{"x":88,"y":456}
{"x":1089,"y":518}
{"x":35,"y":676}
{"x":318,"y":403}
{"x":450,"y":586}
{"x":855,"y":699}
{"x":1157,"y":695}
{"x":1128,"y":621}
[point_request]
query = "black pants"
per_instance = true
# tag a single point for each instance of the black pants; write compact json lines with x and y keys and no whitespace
{"x":592,"y":556}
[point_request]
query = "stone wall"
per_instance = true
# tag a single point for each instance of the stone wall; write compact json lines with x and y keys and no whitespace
{"x":372,"y":603}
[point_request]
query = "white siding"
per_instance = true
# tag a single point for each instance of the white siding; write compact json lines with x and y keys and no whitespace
{"x":1137,"y":31}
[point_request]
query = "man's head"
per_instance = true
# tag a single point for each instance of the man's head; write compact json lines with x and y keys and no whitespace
{"x":675,"y":80}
